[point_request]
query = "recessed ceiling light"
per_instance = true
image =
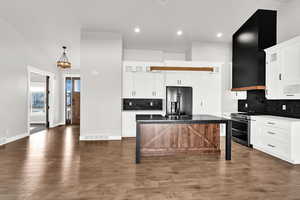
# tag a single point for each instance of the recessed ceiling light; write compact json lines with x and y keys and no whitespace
{"x":219,"y":35}
{"x":137,"y":30}
{"x":179,"y":32}
{"x":163,"y":2}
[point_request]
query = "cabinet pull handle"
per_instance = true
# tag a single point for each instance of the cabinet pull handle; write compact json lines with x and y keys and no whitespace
{"x":272,"y":133}
{"x":270,"y":145}
{"x":290,"y":95}
{"x":271,"y":123}
{"x":280,"y":76}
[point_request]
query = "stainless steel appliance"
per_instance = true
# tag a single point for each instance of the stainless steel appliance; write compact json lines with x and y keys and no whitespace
{"x":179,"y":101}
{"x":241,"y":128}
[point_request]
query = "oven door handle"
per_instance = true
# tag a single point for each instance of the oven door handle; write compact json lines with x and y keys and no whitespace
{"x":240,"y":121}
{"x":237,"y":130}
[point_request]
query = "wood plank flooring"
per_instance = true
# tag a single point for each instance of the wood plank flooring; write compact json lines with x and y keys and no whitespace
{"x":54,"y":165}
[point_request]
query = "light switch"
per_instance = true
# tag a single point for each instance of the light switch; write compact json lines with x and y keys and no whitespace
{"x":246,"y":105}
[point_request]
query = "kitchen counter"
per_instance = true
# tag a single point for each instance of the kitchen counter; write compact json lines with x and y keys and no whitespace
{"x":159,"y":135}
{"x":179,"y":119}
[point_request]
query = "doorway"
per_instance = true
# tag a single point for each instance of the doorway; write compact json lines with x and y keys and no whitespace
{"x":39,"y":102}
{"x":41,"y":105}
{"x":72,"y":100}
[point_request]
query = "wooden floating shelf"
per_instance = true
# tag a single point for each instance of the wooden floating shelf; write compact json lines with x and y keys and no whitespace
{"x":167,"y":68}
{"x":257,"y":87}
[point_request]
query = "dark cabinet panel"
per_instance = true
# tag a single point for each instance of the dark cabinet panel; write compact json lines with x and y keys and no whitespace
{"x":142,"y":104}
{"x":248,"y":43}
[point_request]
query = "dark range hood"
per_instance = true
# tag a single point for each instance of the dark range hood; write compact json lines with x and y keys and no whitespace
{"x":248,"y":56}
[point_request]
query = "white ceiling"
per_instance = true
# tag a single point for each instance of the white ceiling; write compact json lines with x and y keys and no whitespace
{"x":48,"y":25}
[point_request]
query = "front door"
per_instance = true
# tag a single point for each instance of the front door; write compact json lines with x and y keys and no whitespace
{"x":76,"y":101}
{"x":72,"y":100}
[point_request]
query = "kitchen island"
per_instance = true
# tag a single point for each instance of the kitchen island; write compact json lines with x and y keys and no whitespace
{"x":158,"y":135}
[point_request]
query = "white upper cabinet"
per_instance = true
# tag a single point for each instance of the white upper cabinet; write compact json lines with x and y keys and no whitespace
{"x":139,"y":82}
{"x":178,"y":79}
{"x":283,"y":70}
{"x":291,"y":70}
{"x":158,"y":86}
{"x":273,"y":74}
{"x":128,"y":82}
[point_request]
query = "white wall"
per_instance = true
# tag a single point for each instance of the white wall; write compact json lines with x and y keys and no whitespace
{"x":174,"y":56}
{"x":151,"y":55}
{"x":101,"y":65}
{"x":16,"y":55}
{"x":288,"y":20}
{"x":218,"y":52}
{"x":207,"y":51}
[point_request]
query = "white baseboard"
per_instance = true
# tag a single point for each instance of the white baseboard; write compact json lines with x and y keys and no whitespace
{"x":37,"y":122}
{"x":15,"y":138}
{"x":2,"y":141}
{"x":99,"y":137}
{"x":57,"y":124}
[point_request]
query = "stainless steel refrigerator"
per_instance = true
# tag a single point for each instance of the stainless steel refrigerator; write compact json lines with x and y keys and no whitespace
{"x":179,"y":101}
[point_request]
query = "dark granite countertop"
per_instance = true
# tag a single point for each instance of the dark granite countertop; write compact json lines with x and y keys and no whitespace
{"x":180,"y":119}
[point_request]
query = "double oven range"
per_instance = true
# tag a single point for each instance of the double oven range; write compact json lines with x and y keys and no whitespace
{"x":241,"y":124}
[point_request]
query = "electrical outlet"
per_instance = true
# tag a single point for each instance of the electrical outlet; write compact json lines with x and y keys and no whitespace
{"x":283,"y":107}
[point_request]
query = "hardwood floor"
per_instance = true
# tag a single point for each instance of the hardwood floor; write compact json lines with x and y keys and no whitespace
{"x":55,"y":165}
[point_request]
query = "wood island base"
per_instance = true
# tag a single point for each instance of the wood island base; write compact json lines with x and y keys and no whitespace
{"x":168,"y":139}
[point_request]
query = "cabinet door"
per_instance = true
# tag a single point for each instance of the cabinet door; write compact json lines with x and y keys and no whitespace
{"x":253,"y":132}
{"x":206,"y":94}
{"x":128,"y":84}
{"x":256,"y":137}
{"x":290,"y":69}
{"x":173,"y":79}
{"x":128,"y":124}
{"x":178,"y":79}
{"x":143,"y":85}
{"x":158,"y":85}
{"x":186,"y":78}
{"x":211,"y":89}
{"x":273,"y":75}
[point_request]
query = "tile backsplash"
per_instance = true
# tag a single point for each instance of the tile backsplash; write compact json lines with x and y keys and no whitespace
{"x":256,"y":102}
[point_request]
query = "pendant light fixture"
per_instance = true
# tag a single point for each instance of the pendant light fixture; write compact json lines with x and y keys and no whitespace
{"x":63,"y":61}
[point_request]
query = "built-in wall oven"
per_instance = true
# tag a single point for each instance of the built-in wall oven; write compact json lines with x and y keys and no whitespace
{"x":241,"y":128}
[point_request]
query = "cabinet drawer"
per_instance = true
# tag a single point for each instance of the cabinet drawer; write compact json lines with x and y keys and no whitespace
{"x":279,"y":134}
{"x":277,"y":124}
{"x":276,"y":146}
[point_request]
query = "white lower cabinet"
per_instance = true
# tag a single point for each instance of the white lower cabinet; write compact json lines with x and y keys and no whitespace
{"x":240,"y":95}
{"x":129,"y":124}
{"x":277,"y":136}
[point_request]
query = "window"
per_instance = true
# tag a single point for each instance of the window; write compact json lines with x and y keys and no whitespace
{"x":38,"y":100}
